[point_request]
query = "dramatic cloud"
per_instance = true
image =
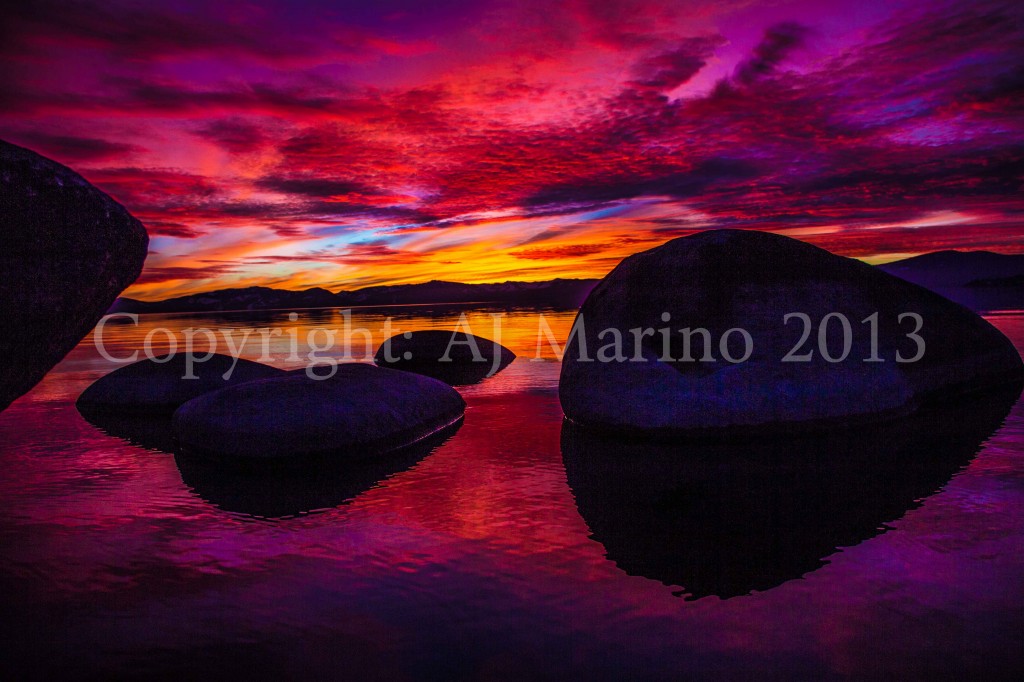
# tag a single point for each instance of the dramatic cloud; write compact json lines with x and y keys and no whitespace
{"x":312,"y":187}
{"x":149,"y":31}
{"x":779,"y":41}
{"x":669,"y":70}
{"x":79,"y":149}
{"x":480,"y":141}
{"x":557,"y":252}
{"x":236,"y":136}
{"x":159,"y":275}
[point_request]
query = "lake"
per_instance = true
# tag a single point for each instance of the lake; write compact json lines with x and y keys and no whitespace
{"x":518,"y":548}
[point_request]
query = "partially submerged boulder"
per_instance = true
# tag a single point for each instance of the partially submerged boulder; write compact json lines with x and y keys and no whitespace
{"x":161,"y":385}
{"x":362,"y":411}
{"x":456,"y":358}
{"x":627,"y":367}
{"x":68,"y":251}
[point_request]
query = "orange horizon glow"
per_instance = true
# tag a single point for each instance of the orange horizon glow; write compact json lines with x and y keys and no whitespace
{"x":487,"y":258}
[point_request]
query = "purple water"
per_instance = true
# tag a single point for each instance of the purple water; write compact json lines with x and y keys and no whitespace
{"x":484,"y":559}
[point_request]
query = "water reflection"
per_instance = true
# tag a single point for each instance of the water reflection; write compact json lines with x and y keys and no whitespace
{"x":152,"y":432}
{"x":729,"y":518}
{"x":453,"y":373}
{"x":277,"y":338}
{"x":457,"y":375}
{"x":311,"y":485}
{"x":267,"y":492}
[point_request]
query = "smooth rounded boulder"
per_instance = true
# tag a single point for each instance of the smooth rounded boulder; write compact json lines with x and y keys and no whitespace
{"x":456,"y":358}
{"x":780,"y":334}
{"x":161,"y":385}
{"x":361,"y":411}
{"x":68,"y":251}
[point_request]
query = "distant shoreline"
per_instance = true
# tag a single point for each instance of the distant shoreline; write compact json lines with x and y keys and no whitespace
{"x":443,"y":304}
{"x":559,"y":293}
{"x":980,"y":280}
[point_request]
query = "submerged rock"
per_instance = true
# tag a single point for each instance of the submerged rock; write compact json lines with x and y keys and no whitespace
{"x":739,"y":286}
{"x":161,"y":385}
{"x":362,"y":411}
{"x":68,"y":251}
{"x":456,"y":358}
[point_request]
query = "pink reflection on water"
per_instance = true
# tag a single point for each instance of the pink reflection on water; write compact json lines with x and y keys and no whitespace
{"x":473,"y":560}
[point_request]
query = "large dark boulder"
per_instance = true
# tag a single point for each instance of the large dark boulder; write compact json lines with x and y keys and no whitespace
{"x":160,"y":386}
{"x":68,"y":251}
{"x":456,"y":358}
{"x":362,"y":411}
{"x":728,"y":279}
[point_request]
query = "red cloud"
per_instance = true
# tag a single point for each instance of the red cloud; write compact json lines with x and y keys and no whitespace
{"x":557,"y":252}
{"x":154,"y":275}
{"x":198,"y":123}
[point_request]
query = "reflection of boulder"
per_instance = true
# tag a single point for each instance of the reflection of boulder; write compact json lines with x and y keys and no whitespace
{"x":360,"y":411}
{"x":729,"y":283}
{"x":471,"y":358}
{"x":68,"y":251}
{"x":150,"y":431}
{"x":322,"y":483}
{"x":160,"y":386}
{"x":727,"y":518}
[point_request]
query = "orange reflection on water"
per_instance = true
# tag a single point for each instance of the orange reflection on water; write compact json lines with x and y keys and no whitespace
{"x":292,"y":339}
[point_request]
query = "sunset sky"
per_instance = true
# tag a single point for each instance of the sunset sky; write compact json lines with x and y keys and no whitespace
{"x":347,"y":144}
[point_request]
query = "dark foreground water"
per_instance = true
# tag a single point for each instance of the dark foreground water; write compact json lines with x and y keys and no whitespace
{"x":518,"y":548}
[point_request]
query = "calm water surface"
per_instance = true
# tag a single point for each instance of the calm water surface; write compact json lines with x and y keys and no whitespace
{"x":517,"y":548}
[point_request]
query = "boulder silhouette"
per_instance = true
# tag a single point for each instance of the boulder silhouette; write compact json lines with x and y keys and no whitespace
{"x":360,"y":412}
{"x":161,"y":385}
{"x":69,"y":250}
{"x":470,"y":358}
{"x":727,"y":517}
{"x":733,"y":282}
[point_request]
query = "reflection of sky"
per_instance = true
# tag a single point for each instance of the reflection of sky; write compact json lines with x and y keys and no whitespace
{"x":477,"y":555}
{"x":300,"y":145}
